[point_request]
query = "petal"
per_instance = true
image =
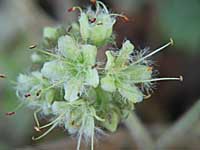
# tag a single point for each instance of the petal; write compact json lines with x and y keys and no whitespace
{"x":124,"y":53}
{"x":110,"y":60}
{"x":84,"y":26}
{"x":50,"y":33}
{"x":92,"y":77}
{"x":132,"y":93}
{"x":67,"y":47}
{"x":108,"y":83}
{"x":73,"y":89}
{"x":59,"y":107}
{"x":138,"y":72}
{"x":89,"y":54}
{"x":53,"y":70}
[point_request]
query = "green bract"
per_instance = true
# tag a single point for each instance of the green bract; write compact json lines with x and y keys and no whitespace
{"x":65,"y":86}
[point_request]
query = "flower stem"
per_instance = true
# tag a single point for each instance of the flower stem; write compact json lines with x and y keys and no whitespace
{"x":180,"y":128}
{"x":139,"y":133}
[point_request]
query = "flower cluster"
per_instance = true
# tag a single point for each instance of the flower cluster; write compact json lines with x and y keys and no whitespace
{"x":75,"y":90}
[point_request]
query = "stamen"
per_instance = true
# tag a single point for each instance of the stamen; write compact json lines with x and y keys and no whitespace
{"x":32,"y":46}
{"x":154,"y":52}
{"x":37,"y":129}
{"x":181,"y":78}
{"x":150,"y":69}
{"x":147,"y":96}
{"x":93,"y":1}
{"x":45,"y":133}
{"x":71,"y":9}
{"x":10,"y":113}
{"x":36,"y":118}
{"x":54,"y":121}
{"x":102,"y":4}
{"x":125,"y":18}
{"x":160,"y":79}
{"x":92,"y":20}
{"x":14,"y":111}
{"x":2,"y":76}
{"x":74,"y":8}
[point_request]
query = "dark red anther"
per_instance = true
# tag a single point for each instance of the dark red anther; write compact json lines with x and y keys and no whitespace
{"x":93,"y":1}
{"x":10,"y":113}
{"x":27,"y":95}
{"x":125,"y":18}
{"x":71,"y":9}
{"x":92,"y":20}
{"x":2,"y":76}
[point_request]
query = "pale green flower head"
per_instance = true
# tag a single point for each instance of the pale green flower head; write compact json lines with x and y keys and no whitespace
{"x":65,"y":87}
{"x":73,"y":67}
{"x":121,"y":75}
{"x":96,"y":27}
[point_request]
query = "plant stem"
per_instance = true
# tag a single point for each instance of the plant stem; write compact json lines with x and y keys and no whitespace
{"x":179,"y":129}
{"x":139,"y":133}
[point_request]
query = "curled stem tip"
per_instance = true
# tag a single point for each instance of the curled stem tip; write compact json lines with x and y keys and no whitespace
{"x":180,"y":78}
{"x":45,"y":133}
